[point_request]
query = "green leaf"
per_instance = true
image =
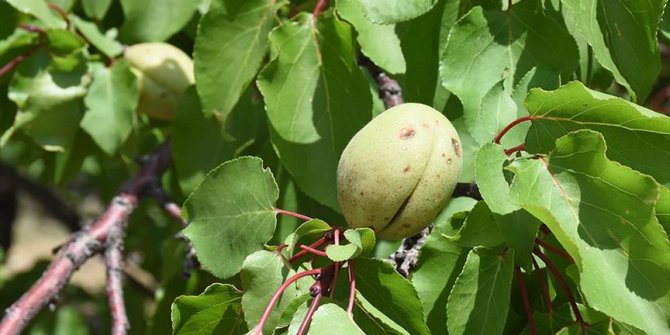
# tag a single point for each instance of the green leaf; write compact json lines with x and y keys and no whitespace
{"x":110,"y":104}
{"x":519,"y":229}
{"x":490,"y":178}
{"x":229,"y":47}
{"x":108,"y":46}
{"x":394,"y":11}
{"x":231,"y":214}
{"x":201,"y":143}
{"x":19,"y":38}
{"x":312,"y":230}
{"x":262,"y":274}
{"x":215,"y":311}
{"x":332,"y":319}
{"x":316,"y":99}
{"x":623,"y":38}
{"x":390,"y":293}
{"x":40,"y":10}
{"x":155,"y":21}
{"x":636,"y":136}
{"x":378,"y":42}
{"x":485,"y":47}
{"x":361,"y":241}
{"x":480,"y":299}
{"x":663,"y":209}
{"x":96,"y":9}
{"x":602,"y":213}
{"x":440,"y":262}
{"x":479,"y":229}
{"x":49,"y":103}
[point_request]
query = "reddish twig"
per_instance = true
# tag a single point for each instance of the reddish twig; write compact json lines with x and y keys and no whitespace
{"x":518,"y":148}
{"x":352,"y":288}
{"x":277,"y":295}
{"x":31,"y":28}
{"x":315,"y":291}
{"x":83,"y":245}
{"x":114,"y":264}
{"x":318,"y":8}
{"x":338,"y":265}
{"x":18,"y":60}
{"x":543,"y":285}
{"x":60,"y":12}
{"x":293,"y":214}
{"x":389,"y":89}
{"x":313,"y":251}
{"x":564,"y":286}
{"x":545,"y":229}
{"x":510,"y":126}
{"x":555,"y":250}
{"x":524,"y":298}
{"x":305,"y":252}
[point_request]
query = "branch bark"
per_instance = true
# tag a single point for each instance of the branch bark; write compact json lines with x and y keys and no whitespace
{"x":85,"y":243}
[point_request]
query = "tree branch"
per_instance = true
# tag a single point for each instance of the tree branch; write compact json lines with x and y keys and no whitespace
{"x":114,"y":264}
{"x":389,"y":89}
{"x":84,"y":244}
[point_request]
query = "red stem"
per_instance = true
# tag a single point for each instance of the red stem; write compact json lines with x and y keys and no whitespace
{"x":543,"y":285}
{"x":519,"y":147}
{"x":304,"y":252}
{"x":338,"y":265}
{"x":313,"y":251}
{"x":277,"y":295}
{"x":114,"y":264}
{"x":318,"y":8}
{"x":60,"y":12}
{"x":18,"y":60}
{"x":310,"y":312}
{"x":555,"y":250}
{"x":352,"y":288}
{"x":564,"y":286}
{"x":526,"y":302}
{"x":293,"y":214}
{"x":510,"y":126}
{"x":31,"y":28}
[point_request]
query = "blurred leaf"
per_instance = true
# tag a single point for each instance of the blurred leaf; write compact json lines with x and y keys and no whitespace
{"x":49,"y":103}
{"x":40,"y":10}
{"x":602,"y":213}
{"x":229,"y":48}
{"x":636,"y":136}
{"x":155,"y":21}
{"x":378,"y":42}
{"x":487,"y":47}
{"x":96,"y":9}
{"x":316,"y":99}
{"x":231,"y":213}
{"x":108,"y":46}
{"x":390,"y":294}
{"x":63,"y":41}
{"x":479,"y":229}
{"x":19,"y":38}
{"x":480,"y":299}
{"x":663,"y":209}
{"x":623,"y":37}
{"x":200,"y":143}
{"x":110,"y":103}
{"x":215,"y":311}
{"x":332,"y":319}
{"x":394,"y":11}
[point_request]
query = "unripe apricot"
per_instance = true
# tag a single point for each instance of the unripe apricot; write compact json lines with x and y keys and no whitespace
{"x":164,"y":72}
{"x":399,"y":171}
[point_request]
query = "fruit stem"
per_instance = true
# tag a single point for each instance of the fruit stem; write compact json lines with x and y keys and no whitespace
{"x":519,"y":147}
{"x":338,"y":265}
{"x":304,"y":252}
{"x":318,"y":8}
{"x":564,"y":286}
{"x":543,"y":285}
{"x":293,"y":214}
{"x":278,"y":293}
{"x":352,"y":288}
{"x":555,"y":250}
{"x":60,"y":12}
{"x":313,"y":251}
{"x":510,"y":126}
{"x":524,"y":297}
{"x":310,"y":312}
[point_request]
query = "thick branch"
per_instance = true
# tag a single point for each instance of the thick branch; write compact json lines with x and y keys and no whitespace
{"x":114,"y":263}
{"x":84,"y":244}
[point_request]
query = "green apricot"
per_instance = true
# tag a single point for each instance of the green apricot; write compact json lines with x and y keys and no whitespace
{"x":399,"y":171}
{"x":164,"y":72}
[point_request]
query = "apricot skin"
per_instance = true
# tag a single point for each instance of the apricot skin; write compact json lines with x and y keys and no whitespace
{"x":164,"y":72}
{"x":399,"y":171}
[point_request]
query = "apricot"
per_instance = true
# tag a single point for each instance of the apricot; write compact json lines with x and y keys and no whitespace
{"x":399,"y":171}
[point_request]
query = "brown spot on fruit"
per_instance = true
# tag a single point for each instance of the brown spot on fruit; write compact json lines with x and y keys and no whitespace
{"x":406,"y":133}
{"x":407,"y":169}
{"x":448,"y":160}
{"x":362,"y":193}
{"x":457,"y":146}
{"x":425,"y":125}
